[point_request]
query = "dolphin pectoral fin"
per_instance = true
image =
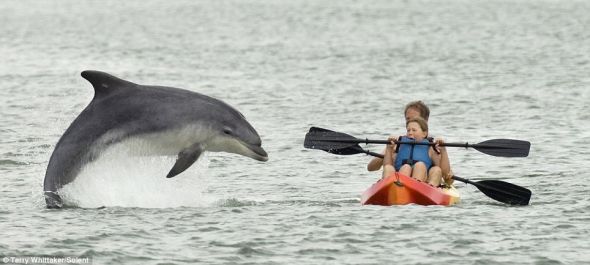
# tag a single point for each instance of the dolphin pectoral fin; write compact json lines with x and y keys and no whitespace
{"x":185,"y":159}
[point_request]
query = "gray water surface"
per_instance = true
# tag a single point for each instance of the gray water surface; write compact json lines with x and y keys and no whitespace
{"x":488,"y":69}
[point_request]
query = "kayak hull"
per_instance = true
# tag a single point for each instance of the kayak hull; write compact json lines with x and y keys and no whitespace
{"x":398,"y":189}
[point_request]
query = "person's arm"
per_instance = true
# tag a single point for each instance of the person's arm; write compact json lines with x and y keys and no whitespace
{"x":375,"y":163}
{"x":388,"y":159}
{"x":443,"y":161}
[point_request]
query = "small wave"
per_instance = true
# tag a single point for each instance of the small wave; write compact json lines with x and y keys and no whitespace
{"x":10,"y":162}
{"x":250,"y":251}
{"x":235,"y":203}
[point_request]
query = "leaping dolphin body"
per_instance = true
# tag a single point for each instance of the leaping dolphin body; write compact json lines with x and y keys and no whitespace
{"x":171,"y":121}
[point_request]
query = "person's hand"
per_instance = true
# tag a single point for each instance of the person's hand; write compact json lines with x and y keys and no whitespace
{"x":448,"y":178}
{"x":392,"y":139}
{"x":439,"y":145}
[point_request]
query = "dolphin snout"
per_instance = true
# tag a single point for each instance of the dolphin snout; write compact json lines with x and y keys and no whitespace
{"x":261,"y":155}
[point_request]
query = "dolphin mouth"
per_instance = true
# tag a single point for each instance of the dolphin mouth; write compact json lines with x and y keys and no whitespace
{"x":259,"y":153}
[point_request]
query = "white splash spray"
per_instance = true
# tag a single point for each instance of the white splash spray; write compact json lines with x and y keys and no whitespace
{"x":123,"y":180}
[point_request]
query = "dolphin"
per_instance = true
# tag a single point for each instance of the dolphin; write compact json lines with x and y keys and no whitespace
{"x":171,"y":121}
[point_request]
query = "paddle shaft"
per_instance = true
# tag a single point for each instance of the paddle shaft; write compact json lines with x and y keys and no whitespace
{"x":454,"y":177}
{"x":327,"y":140}
{"x":465,"y":180}
{"x":367,"y":141}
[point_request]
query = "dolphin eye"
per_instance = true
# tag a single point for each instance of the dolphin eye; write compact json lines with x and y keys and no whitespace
{"x":227,"y":131}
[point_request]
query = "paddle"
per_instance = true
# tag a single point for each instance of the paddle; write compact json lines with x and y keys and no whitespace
{"x":324,"y":139}
{"x":498,"y":190}
{"x":501,"y":191}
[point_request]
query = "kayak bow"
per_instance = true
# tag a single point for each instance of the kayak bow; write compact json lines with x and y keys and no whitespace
{"x":398,"y":189}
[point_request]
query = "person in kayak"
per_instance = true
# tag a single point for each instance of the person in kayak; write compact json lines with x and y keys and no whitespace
{"x":412,"y":110}
{"x":421,"y":162}
{"x":416,"y":109}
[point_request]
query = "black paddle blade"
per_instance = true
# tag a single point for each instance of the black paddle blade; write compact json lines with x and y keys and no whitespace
{"x":504,"y":147}
{"x":330,"y":141}
{"x":351,"y":150}
{"x":504,"y":192}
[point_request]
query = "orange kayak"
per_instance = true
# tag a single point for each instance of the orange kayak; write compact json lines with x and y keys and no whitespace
{"x":398,"y":189}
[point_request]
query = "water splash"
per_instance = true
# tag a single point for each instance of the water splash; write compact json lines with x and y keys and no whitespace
{"x":118,"y":179}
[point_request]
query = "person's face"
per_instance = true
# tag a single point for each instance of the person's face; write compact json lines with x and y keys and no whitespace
{"x":412,"y":113}
{"x":414,"y":131}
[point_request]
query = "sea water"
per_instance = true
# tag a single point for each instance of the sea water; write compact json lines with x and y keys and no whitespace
{"x":487,"y":69}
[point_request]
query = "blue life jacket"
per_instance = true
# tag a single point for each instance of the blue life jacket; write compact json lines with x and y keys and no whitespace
{"x":412,"y":153}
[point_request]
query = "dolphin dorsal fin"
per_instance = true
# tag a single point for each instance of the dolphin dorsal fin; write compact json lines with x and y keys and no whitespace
{"x":104,"y":83}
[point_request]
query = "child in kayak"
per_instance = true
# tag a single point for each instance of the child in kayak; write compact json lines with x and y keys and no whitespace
{"x":418,"y":161}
